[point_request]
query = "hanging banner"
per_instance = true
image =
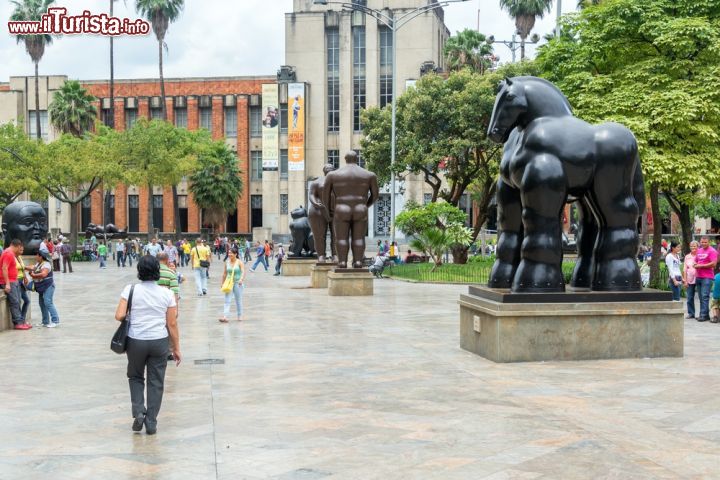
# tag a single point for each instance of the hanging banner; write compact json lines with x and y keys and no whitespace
{"x":296,"y":129}
{"x":270,"y":127}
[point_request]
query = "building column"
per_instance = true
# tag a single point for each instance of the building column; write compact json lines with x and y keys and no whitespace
{"x":119,"y":114}
{"x":96,"y":207}
{"x":168,"y":210}
{"x":144,"y":198}
{"x":218,"y":120}
{"x":121,"y":218}
{"x":192,"y":113}
{"x":144,"y":107}
{"x":170,"y":110}
{"x":193,"y":214}
{"x":243,"y":153}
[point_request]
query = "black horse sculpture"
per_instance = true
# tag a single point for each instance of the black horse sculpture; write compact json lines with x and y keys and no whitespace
{"x":551,"y":158}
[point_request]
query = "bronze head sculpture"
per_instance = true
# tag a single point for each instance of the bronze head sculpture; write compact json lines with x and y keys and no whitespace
{"x":26,"y":221}
{"x":355,"y":190}
{"x":550,"y":158}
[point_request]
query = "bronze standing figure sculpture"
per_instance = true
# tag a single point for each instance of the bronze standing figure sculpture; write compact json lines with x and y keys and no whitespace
{"x":550,"y":158}
{"x":316,"y":214}
{"x":355,"y":190}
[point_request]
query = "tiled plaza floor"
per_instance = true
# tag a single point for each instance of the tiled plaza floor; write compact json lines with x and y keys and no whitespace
{"x":326,"y":387}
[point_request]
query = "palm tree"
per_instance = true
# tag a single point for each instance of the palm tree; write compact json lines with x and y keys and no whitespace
{"x":582,"y":4}
{"x":31,"y":11}
{"x":468,"y":48}
{"x":72,"y":110}
{"x":160,"y":13}
{"x":525,"y":12}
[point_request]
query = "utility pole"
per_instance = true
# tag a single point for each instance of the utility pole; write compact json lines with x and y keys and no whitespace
{"x":557,"y":22}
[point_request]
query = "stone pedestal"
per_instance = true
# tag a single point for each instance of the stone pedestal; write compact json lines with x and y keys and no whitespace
{"x":639,"y":324}
{"x":5,"y":319}
{"x":319,"y":274}
{"x":350,"y":282}
{"x":297,"y":267}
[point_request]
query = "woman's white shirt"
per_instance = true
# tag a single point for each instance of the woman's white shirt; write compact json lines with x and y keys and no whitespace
{"x":150,"y":303}
{"x":673,"y":265}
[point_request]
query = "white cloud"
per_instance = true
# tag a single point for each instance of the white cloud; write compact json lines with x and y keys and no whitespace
{"x":211,"y":38}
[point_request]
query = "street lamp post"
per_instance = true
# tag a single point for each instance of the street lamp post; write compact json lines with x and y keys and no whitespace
{"x":394,"y":24}
{"x":513,"y":44}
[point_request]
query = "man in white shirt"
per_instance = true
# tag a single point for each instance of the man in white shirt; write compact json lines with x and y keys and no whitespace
{"x":153,"y":248}
{"x":120,"y":249}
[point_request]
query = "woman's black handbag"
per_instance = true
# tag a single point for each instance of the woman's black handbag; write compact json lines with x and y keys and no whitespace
{"x":118,"y":344}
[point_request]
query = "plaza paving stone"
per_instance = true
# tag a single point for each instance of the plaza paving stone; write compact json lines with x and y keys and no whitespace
{"x":318,"y":387}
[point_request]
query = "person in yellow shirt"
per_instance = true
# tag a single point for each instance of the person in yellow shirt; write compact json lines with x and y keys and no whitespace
{"x":201,"y":258}
{"x":185,"y":257}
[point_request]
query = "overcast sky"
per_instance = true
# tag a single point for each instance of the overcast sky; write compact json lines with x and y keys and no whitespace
{"x":211,"y":38}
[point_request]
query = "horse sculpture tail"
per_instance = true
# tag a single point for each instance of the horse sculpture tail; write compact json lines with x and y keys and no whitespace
{"x":639,"y":185}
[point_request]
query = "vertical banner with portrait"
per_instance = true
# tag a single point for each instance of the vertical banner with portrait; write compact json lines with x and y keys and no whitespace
{"x":270,"y":127}
{"x":296,"y":129}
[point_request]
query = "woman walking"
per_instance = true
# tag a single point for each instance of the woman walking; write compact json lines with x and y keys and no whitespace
{"x":236,"y":268}
{"x":153,"y":315}
{"x":44,"y":285}
{"x":688,"y":273}
{"x":673,"y":265}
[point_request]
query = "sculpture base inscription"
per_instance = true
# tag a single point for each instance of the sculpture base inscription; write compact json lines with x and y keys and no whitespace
{"x":521,"y":332}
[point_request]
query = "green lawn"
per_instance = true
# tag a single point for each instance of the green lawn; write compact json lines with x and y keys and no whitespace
{"x":476,"y":272}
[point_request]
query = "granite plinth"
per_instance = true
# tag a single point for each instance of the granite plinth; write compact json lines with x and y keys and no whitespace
{"x":318,"y":274}
{"x":350,"y":282}
{"x":523,"y":332}
{"x":297,"y":266}
{"x":5,"y":319}
{"x":570,"y":296}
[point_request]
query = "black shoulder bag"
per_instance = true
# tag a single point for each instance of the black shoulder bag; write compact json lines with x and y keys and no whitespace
{"x":118,"y":344}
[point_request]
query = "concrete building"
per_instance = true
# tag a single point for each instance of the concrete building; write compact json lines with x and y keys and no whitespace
{"x":344,"y":58}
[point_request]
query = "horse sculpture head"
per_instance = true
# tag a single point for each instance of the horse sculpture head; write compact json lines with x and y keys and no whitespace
{"x":521,"y":100}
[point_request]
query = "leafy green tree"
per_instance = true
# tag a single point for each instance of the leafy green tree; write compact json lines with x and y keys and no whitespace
{"x":32,"y":11}
{"x":72,"y":110}
{"x":442,"y":135}
{"x":468,"y":49}
{"x":15,"y":147}
{"x":651,"y":65}
{"x":525,"y":12}
{"x":158,"y":153}
{"x":424,"y":221}
{"x":709,"y":208}
{"x":216,"y":185}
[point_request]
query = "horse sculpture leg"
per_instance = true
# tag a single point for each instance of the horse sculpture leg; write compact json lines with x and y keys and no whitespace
{"x":616,"y":268}
{"x":587,"y":236}
{"x":510,"y":235}
{"x":543,"y":194}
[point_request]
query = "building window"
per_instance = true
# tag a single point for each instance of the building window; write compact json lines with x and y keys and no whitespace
{"x":43,"y":124}
{"x":283,"y":163}
{"x":130,"y":118}
{"x":283,"y":117}
{"x":256,"y":165}
{"x":333,"y":157}
{"x":183,"y":205}
{"x":231,"y":122}
{"x":181,"y":117}
{"x":156,"y":114}
{"x":255,"y":122}
{"x":206,"y":118}
{"x":106,"y":117}
{"x":361,"y":160}
{"x":256,"y":210}
{"x":157,"y":211}
{"x":333,"y":79}
{"x":358,"y":39}
{"x":111,"y":209}
{"x":85,"y":213}
{"x":283,"y":204}
{"x":133,"y":213}
{"x":385,"y":66}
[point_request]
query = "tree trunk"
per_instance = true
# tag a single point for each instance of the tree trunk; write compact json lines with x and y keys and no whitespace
{"x":37,"y":103}
{"x":686,"y":226}
{"x":460,"y":254}
{"x":73,"y":226}
{"x":522,"y":48}
{"x":111,"y":122}
{"x":162,"y":80}
{"x":151,"y":226}
{"x":657,"y":236}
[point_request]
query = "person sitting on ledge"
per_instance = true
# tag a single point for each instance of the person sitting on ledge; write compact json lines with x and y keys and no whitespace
{"x":411,"y":257}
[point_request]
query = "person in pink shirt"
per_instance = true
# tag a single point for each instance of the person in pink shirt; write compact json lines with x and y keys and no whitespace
{"x":705,"y":261}
{"x":688,"y":273}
